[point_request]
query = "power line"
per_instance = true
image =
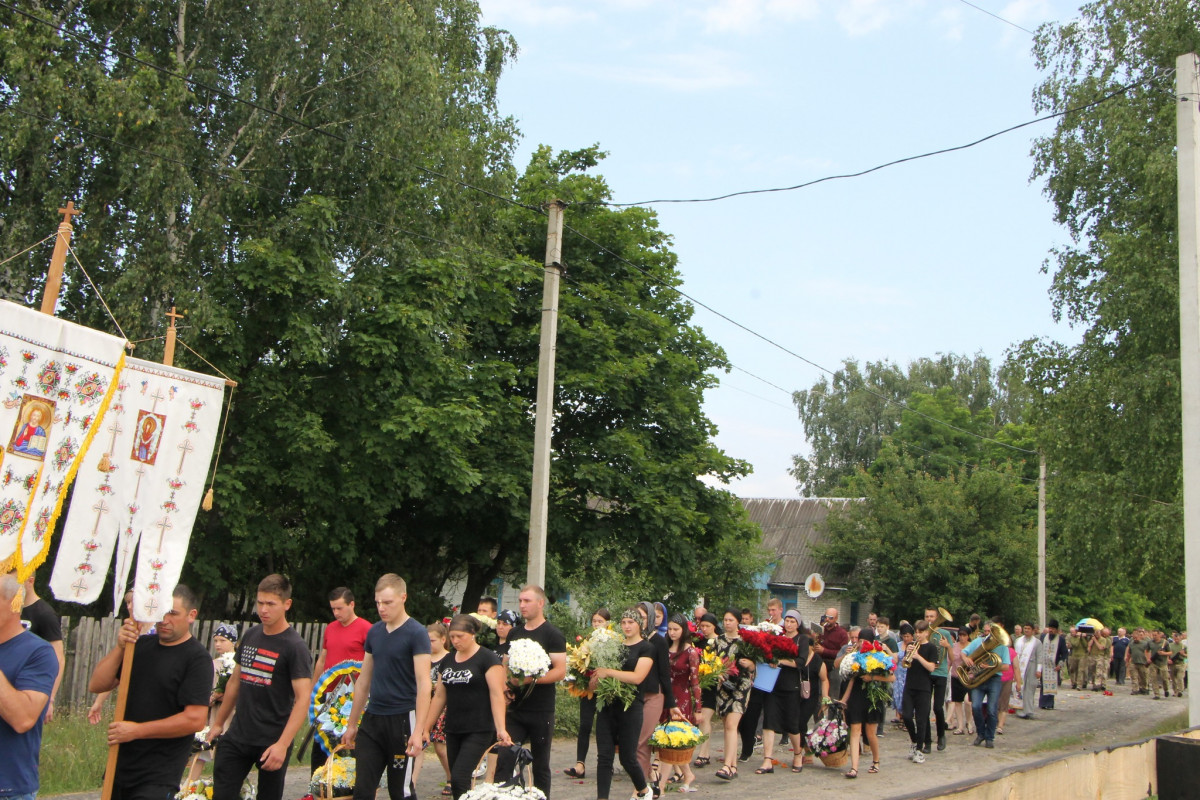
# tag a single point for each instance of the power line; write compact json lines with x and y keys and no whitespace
{"x":781,"y":347}
{"x":62,"y":29}
{"x":997,"y":16}
{"x":1075,"y":109}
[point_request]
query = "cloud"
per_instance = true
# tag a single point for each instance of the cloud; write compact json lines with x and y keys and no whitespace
{"x":700,"y":70}
{"x":951,"y":21}
{"x":860,"y":17}
{"x":750,"y":16}
{"x":535,"y":13}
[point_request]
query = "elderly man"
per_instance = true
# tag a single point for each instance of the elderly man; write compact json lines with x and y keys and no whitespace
{"x":28,"y":669}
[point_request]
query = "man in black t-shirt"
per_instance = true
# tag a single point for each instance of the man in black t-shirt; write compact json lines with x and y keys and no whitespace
{"x":269,"y":690}
{"x":532,"y":717}
{"x":169,"y":685}
{"x":45,"y":623}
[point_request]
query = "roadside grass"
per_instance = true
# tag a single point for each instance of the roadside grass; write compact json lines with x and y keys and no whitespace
{"x":73,"y":753}
{"x":1173,"y":723}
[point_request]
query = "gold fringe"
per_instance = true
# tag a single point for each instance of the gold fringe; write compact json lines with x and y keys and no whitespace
{"x":207,"y":502}
{"x":25,"y":568}
{"x":105,"y":464}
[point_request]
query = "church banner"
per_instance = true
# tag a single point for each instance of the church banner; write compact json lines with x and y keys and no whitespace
{"x":140,"y":487}
{"x":56,"y":379}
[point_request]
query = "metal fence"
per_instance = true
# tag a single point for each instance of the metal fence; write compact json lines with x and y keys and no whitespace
{"x":86,"y":640}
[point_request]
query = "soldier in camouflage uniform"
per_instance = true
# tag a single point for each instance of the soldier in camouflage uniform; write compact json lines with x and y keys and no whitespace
{"x":1159,"y":672}
{"x":1139,"y":661}
{"x":1100,"y":653}
{"x":1077,"y":661}
{"x":1178,"y":661}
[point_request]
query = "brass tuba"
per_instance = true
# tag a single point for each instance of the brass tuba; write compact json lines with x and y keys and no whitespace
{"x":987,"y":663}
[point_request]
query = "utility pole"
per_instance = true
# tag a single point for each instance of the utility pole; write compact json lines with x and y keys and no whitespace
{"x":544,"y":412}
{"x":61,"y":243}
{"x":1041,"y":589}
{"x":1187,"y":132}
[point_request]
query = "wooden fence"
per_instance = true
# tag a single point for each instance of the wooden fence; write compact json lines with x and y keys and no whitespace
{"x":86,"y":640}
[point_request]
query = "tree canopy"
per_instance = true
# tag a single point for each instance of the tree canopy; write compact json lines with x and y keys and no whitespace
{"x":336,"y":207}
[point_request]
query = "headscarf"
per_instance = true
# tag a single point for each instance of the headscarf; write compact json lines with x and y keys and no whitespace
{"x":662,"y":629}
{"x":647,"y":626}
{"x":802,"y":640}
{"x":509,"y":616}
{"x":227,"y":631}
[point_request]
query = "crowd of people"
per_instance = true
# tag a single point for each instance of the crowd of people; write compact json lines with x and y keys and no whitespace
{"x":438,"y":684}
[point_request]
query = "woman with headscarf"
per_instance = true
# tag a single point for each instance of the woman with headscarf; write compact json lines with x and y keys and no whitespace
{"x":619,"y":727}
{"x":734,"y":690}
{"x":787,"y":709}
{"x":657,"y":697}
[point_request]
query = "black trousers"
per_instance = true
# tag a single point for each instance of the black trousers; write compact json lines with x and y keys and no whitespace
{"x":748,"y":726}
{"x":380,"y":745}
{"x":463,"y":751}
{"x":939,"y":707}
{"x":617,"y":727}
{"x":144,"y":792}
{"x":587,"y":713}
{"x":233,"y":763}
{"x":915,"y":713}
{"x":536,"y":727}
{"x":1118,"y":669}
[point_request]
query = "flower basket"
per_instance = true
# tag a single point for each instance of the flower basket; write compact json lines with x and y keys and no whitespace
{"x":830,"y":738}
{"x":765,"y":677}
{"x":676,"y":756}
{"x":334,"y":780}
{"x":836,"y":760}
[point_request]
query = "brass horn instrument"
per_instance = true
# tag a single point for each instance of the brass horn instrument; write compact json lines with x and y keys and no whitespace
{"x":943,"y":616}
{"x":987,"y":663}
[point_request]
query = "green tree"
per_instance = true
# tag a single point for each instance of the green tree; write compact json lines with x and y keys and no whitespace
{"x":846,"y":418}
{"x":1108,"y":409}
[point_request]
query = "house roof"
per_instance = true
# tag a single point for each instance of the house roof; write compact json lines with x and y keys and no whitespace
{"x":790,"y":528}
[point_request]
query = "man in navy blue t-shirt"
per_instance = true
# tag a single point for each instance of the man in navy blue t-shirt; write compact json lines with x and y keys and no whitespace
{"x":395,"y":678}
{"x":28,"y":667}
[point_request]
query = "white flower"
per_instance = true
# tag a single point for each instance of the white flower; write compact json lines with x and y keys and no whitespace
{"x":527,"y":659}
{"x":766,"y":626}
{"x":225,"y":664}
{"x":494,"y":791}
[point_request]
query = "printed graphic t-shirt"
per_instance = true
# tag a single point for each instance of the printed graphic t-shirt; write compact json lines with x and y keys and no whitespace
{"x":264,"y":700}
{"x":468,"y":703}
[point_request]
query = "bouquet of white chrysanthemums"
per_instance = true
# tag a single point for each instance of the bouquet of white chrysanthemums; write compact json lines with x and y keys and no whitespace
{"x":494,"y":791}
{"x":527,"y":661}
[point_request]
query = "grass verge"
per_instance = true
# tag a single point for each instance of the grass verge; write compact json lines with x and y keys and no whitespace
{"x":73,"y":753}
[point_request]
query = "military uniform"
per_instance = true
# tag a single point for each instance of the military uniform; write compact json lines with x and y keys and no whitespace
{"x":1100,"y":650}
{"x":1139,"y":659}
{"x":1159,"y":672}
{"x":1077,"y":661}
{"x":1178,"y":666}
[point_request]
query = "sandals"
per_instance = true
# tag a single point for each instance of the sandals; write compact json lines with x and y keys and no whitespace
{"x":702,"y":761}
{"x":853,"y":773}
{"x":765,"y":770}
{"x":874,"y":767}
{"x":727,"y":773}
{"x":798,"y":767}
{"x":576,"y":773}
{"x":447,"y":791}
{"x":959,"y":732}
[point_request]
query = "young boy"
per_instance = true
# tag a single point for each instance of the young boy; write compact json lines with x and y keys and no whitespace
{"x":269,"y":689}
{"x":918,"y":691}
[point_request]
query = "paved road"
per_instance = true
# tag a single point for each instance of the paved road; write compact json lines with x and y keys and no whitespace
{"x":1102,"y":720}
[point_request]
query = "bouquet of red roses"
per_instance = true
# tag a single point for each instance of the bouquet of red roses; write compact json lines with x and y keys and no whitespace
{"x":764,"y":647}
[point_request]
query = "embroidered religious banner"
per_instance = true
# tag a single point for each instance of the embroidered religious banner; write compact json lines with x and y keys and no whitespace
{"x":139,"y":488}
{"x":55,"y":382}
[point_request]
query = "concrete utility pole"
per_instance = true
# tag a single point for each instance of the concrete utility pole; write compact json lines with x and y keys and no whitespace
{"x":544,"y":413}
{"x":1041,"y":541}
{"x":1187,"y":119}
{"x":58,"y":259}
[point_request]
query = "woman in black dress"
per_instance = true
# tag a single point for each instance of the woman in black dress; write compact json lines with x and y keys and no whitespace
{"x":470,"y":688}
{"x":617,"y":726}
{"x":859,"y":712}
{"x":785,"y":708}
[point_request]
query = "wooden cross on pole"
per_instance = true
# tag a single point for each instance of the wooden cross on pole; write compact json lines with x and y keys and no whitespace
{"x":169,"y":347}
{"x":61,"y":243}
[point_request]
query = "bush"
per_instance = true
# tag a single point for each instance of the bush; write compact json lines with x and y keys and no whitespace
{"x":566,"y":713}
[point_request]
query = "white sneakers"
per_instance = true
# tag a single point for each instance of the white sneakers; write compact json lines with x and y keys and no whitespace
{"x":915,"y":755}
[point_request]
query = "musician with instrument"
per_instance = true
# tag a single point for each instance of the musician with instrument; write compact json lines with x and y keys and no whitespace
{"x":984,"y":659}
{"x":921,"y":659}
{"x":944,"y":639}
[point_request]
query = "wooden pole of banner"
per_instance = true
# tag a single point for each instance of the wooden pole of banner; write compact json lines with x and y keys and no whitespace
{"x":61,"y":244}
{"x":110,"y":771}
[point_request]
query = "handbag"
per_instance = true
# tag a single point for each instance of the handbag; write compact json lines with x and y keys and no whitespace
{"x":805,"y":689}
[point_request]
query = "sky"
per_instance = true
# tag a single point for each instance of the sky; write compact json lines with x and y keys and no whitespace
{"x":697,"y":98}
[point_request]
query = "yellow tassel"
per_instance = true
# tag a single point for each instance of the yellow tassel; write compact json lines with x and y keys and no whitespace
{"x":206,"y":503}
{"x":105,"y":464}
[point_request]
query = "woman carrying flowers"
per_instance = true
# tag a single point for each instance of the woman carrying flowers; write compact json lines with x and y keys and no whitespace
{"x":862,"y":710}
{"x":621,"y":726}
{"x":787,"y":709}
{"x":714,"y":667}
{"x":658,"y":700}
{"x":470,"y":688}
{"x":685,"y":685}
{"x":734,"y":690}
{"x":587,"y":710}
